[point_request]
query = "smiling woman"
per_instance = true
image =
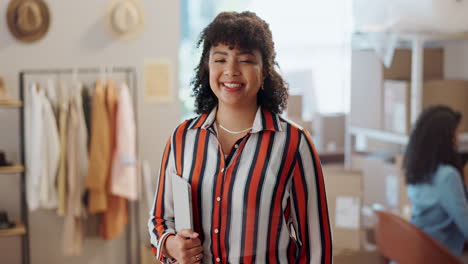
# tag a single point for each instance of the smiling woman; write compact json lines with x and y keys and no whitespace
{"x":256,"y":181}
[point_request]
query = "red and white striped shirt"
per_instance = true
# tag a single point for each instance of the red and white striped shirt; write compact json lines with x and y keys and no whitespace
{"x":264,"y":202}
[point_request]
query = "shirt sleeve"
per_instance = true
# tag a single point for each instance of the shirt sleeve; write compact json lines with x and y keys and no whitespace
{"x":453,"y":199}
{"x":161,"y":222}
{"x":308,"y":207}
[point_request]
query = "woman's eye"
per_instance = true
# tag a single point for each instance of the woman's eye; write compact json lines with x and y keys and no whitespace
{"x":219,"y":60}
{"x":247,"y":61}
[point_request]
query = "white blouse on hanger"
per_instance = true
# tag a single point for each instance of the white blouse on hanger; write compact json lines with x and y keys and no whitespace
{"x":42,"y":150}
{"x":33,"y":125}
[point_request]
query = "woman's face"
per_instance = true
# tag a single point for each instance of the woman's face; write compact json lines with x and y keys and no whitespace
{"x":235,"y":75}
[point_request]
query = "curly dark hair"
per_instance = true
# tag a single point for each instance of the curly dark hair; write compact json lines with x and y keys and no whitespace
{"x":244,"y":31}
{"x":432,"y":143}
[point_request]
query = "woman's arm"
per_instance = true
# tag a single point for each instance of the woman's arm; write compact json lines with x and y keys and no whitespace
{"x":453,"y":199}
{"x":308,"y":202}
{"x":185,"y":246}
{"x":161,"y":222}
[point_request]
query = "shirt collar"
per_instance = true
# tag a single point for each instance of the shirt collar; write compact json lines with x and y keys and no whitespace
{"x":264,"y":120}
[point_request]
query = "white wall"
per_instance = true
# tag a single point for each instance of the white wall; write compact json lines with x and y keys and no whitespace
{"x":78,"y":38}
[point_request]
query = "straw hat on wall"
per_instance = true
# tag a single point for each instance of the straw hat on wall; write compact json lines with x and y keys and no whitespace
{"x":28,"y":20}
{"x":124,"y":18}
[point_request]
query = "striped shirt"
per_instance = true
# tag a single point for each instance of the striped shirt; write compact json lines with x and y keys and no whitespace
{"x":264,"y":202}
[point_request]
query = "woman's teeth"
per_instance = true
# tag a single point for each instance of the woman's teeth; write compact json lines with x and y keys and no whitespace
{"x":232,"y":85}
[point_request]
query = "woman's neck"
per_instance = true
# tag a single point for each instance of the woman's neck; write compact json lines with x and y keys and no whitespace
{"x":236,"y":119}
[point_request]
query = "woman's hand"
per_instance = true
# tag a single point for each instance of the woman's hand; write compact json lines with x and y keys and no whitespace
{"x":185,"y":247}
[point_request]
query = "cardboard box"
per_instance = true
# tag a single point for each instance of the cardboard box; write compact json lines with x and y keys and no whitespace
{"x":302,"y":123}
{"x":368,"y":75}
{"x":397,"y":101}
{"x":344,"y":197}
{"x":401,"y":65}
{"x":373,"y":178}
{"x":356,"y":257}
{"x":295,"y":106}
{"x":330,"y":132}
{"x":395,"y":188}
{"x":383,"y":181}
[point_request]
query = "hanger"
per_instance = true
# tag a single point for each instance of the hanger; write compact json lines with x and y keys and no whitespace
{"x":102,"y":73}
{"x":75,"y":75}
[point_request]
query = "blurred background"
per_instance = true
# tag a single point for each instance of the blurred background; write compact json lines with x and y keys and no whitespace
{"x":359,"y":74}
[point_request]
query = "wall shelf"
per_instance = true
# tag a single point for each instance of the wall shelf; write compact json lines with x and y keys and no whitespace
{"x":10,"y":103}
{"x":15,"y":168}
{"x":18,"y":230}
{"x":397,"y":138}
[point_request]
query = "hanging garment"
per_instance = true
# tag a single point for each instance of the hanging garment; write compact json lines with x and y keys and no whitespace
{"x":50,"y":155}
{"x":33,"y":126}
{"x":115,"y":218}
{"x":52,"y":95}
{"x":77,"y":169}
{"x":124,"y":167}
{"x":62,"y":173}
{"x":87,"y":102}
{"x":99,"y":153}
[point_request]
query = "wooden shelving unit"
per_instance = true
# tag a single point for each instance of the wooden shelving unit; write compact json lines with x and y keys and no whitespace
{"x":15,"y":168}
{"x":18,"y":230}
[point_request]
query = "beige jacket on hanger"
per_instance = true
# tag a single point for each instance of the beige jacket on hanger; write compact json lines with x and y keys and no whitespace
{"x":77,"y":168}
{"x":100,"y":152}
{"x":115,"y":218}
{"x":62,"y":103}
{"x":50,"y":155}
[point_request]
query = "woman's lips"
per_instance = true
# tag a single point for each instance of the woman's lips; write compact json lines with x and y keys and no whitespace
{"x":232,"y":86}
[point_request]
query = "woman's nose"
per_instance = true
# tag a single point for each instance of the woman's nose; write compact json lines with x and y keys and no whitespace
{"x":232,"y":69}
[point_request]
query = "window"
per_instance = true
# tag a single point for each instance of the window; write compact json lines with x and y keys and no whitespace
{"x":312,"y":40}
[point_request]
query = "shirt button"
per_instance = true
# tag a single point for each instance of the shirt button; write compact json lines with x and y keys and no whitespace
{"x":236,"y":146}
{"x":218,"y":199}
{"x":218,"y":260}
{"x":222,"y":170}
{"x":216,"y":230}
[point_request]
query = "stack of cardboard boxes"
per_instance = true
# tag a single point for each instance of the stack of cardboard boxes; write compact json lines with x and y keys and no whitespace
{"x":374,"y":181}
{"x":294,"y":111}
{"x":397,"y":103}
{"x":328,"y":130}
{"x":381,"y":100}
{"x":345,"y":193}
{"x":380,"y":97}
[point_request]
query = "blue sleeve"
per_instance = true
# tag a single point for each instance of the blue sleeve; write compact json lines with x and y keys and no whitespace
{"x":466,"y":192}
{"x":453,"y":198}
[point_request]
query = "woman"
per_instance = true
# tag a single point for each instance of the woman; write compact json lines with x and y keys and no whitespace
{"x":435,"y":179}
{"x":257,"y":186}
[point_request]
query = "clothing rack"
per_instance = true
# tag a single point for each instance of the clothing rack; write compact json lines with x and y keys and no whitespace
{"x":133,"y":227}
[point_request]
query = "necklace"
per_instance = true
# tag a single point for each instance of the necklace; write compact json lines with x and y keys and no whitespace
{"x":233,"y":132}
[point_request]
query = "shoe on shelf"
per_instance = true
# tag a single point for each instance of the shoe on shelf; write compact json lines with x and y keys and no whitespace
{"x":3,"y":160}
{"x":4,"y":222}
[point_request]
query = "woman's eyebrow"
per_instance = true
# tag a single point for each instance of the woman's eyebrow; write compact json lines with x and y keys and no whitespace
{"x":220,"y":52}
